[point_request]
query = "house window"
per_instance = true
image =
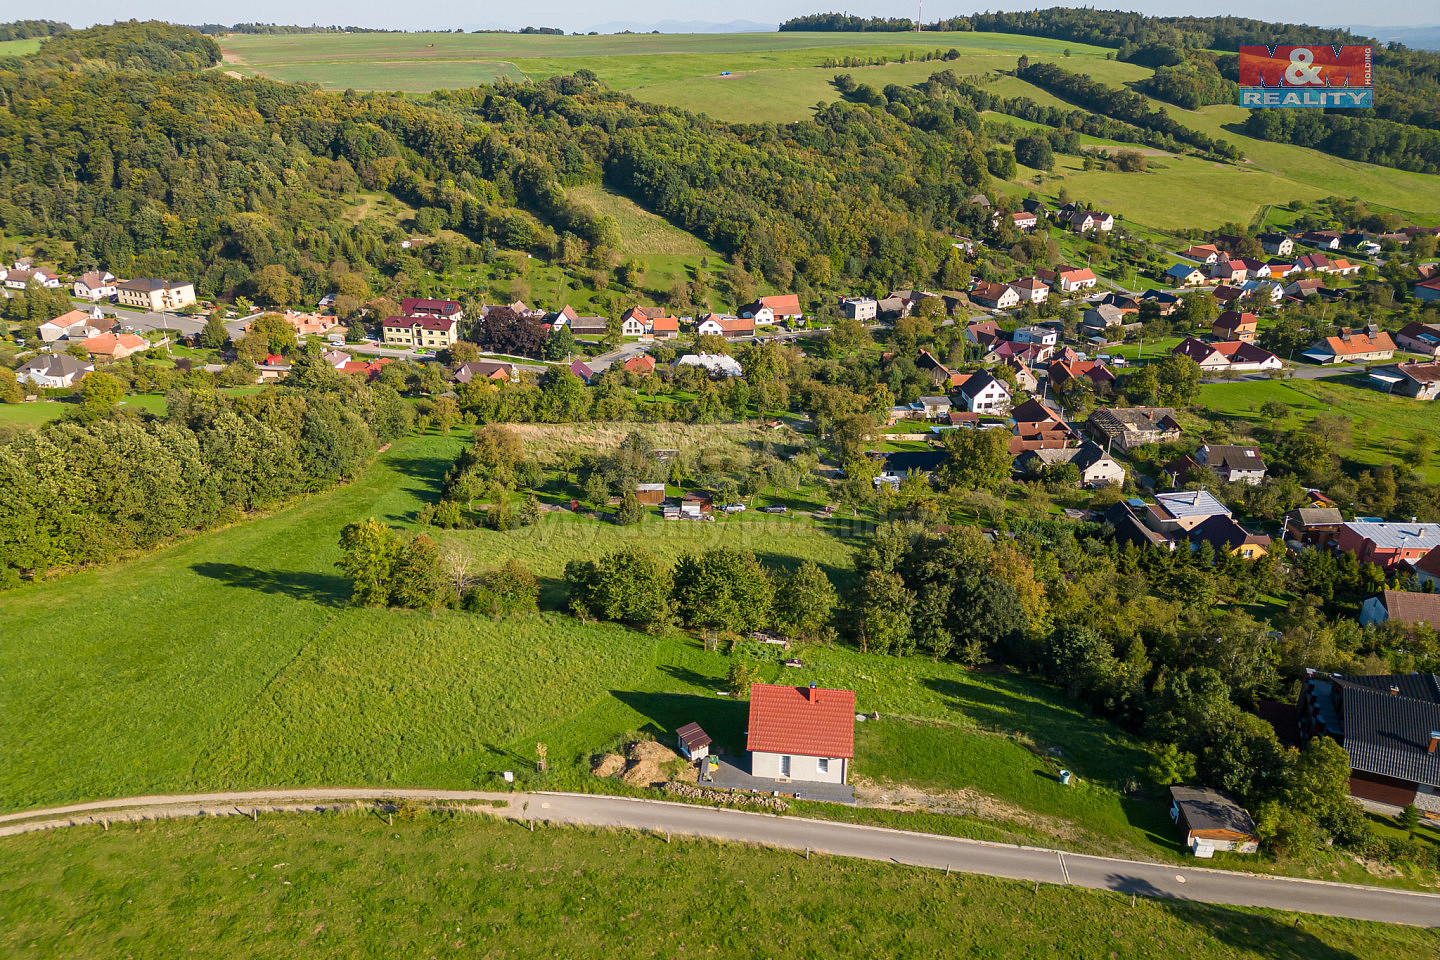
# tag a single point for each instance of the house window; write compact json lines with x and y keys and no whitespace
{"x":822,"y":765}
{"x":784,"y":765}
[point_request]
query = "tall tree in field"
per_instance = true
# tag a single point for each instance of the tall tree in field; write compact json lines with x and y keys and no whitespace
{"x":883,"y":611}
{"x":101,"y":390}
{"x":724,"y":589}
{"x":214,"y":335}
{"x":804,"y":602}
{"x":369,"y":551}
{"x":977,"y":459}
{"x":418,"y":579}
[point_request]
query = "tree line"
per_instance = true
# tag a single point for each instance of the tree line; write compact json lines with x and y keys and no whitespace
{"x":91,"y":487}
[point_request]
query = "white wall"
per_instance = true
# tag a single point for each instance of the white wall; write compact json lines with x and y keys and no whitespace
{"x":801,"y":768}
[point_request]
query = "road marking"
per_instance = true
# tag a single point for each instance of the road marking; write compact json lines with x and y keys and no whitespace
{"x":1064,"y":872}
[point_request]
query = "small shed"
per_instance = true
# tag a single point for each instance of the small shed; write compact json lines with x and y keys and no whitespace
{"x":694,"y":742}
{"x":650,"y":494}
{"x":1212,"y":821}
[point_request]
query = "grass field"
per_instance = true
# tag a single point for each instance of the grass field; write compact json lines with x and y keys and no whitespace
{"x":1383,"y":424}
{"x":323,"y":885}
{"x":643,"y":234}
{"x":18,"y":48}
{"x":234,"y":660}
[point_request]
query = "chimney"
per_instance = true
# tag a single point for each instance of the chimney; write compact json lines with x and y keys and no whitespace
{"x":1434,"y":741}
{"x":813,"y":694}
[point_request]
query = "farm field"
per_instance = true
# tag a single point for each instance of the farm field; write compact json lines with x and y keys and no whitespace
{"x":234,"y":660}
{"x":461,"y":885}
{"x":19,"y":48}
{"x":1383,"y":424}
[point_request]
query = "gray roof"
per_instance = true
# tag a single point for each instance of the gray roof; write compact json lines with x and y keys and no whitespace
{"x":1233,"y":456}
{"x":935,"y":401}
{"x":1394,"y":536}
{"x":1191,"y":503}
{"x":1319,"y":516}
{"x":150,"y":284}
{"x":54,"y":365}
{"x":1389,"y":733}
{"x":1206,"y":809}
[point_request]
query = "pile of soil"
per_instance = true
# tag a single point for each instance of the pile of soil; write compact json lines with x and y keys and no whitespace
{"x":645,"y":764}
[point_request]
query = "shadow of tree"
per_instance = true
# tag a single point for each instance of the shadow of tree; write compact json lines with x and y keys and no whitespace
{"x":425,"y":476}
{"x":325,"y":589}
{"x":723,"y":719}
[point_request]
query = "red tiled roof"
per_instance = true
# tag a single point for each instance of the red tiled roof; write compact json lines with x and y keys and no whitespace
{"x":783,"y":305}
{"x":443,"y":307}
{"x":811,"y":722}
{"x":1343,"y":346}
{"x":1430,"y":563}
{"x":665,"y":324}
{"x":427,"y":323}
{"x":1075,"y":274}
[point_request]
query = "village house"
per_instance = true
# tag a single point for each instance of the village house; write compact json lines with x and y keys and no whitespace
{"x":1352,"y":346}
{"x":18,"y":278}
{"x":563,"y":317}
{"x":1314,"y":526}
{"x":1069,"y":279}
{"x":1229,"y":271}
{"x":1421,"y":338}
{"x":1232,"y":463}
{"x":76,"y":325}
{"x":582,"y":370}
{"x":1184,"y":275}
{"x":1263,"y":291}
{"x":781,"y":308}
{"x":1427,"y":571}
{"x":152,"y":294}
{"x":1401,"y":606}
{"x":1232,"y":356}
{"x":934,"y":408}
{"x":1387,"y":544}
{"x":1025,"y":378}
{"x":1321,"y":239}
{"x":1024,"y":222}
{"x":1031,"y":289}
{"x":800,"y":733}
{"x":1062,"y":371}
{"x":1304,"y":287}
{"x":982,"y":393}
{"x":1234,"y":325}
{"x":94,"y":285}
{"x":1427,"y":290}
{"x":1097,"y":320}
{"x":1083,"y":221}
{"x":1166,"y":301}
{"x":994,"y":296}
{"x":425,"y":332}
{"x":730,"y":328}
{"x":497,"y":370}
{"x":663,"y":328}
{"x":1131,"y":427}
{"x":1389,"y":726}
{"x":1180,"y":512}
{"x":1276,"y":244}
{"x":1211,"y":821}
{"x":644,"y":365}
{"x":1419,"y":381}
{"x":53,"y":371}
{"x":860,"y":308}
{"x":1095,"y":465}
{"x":1228,"y":537}
{"x":422,"y":307}
{"x":114,"y":346}
{"x":1206,"y":253}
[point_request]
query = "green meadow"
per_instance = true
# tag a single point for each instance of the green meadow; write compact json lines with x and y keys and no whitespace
{"x":234,"y":660}
{"x":460,"y":885}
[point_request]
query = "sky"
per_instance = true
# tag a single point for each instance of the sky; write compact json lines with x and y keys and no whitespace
{"x":584,"y":14}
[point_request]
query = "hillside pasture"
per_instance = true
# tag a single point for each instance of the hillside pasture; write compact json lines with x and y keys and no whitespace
{"x":460,"y":885}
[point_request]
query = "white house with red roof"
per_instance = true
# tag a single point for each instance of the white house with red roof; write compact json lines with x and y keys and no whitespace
{"x":1070,"y":279}
{"x":801,"y":733}
{"x":779,"y":308}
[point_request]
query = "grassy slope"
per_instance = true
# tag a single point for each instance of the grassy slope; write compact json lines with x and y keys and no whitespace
{"x":642,"y":233}
{"x":1383,"y":424}
{"x":233,"y":660}
{"x":441,"y":886}
{"x":19,"y":48}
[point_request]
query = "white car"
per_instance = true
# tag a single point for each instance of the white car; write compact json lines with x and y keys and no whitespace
{"x":734,"y":508}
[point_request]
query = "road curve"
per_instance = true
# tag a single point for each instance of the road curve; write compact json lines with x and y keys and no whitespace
{"x":1162,"y":881}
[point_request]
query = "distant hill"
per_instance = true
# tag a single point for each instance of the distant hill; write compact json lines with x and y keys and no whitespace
{"x":685,"y":26}
{"x":1416,"y":38}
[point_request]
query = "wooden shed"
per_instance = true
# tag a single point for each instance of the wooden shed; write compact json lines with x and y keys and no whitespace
{"x":650,"y":494}
{"x":694,"y":742}
{"x":1212,"y":821}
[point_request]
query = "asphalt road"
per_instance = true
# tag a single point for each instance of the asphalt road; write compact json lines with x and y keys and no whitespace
{"x":1030,"y":864}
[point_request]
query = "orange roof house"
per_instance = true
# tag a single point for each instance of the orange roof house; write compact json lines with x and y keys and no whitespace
{"x":115,"y":346}
{"x":801,"y":733}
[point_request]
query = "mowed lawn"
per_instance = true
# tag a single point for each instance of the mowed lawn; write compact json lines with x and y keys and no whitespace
{"x":438,"y":885}
{"x":1383,"y":425}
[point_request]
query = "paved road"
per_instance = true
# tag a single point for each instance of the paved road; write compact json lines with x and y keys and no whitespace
{"x":794,"y":833}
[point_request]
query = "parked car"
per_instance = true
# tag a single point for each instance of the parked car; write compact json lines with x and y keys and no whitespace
{"x":775,"y":509}
{"x":734,"y":508}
